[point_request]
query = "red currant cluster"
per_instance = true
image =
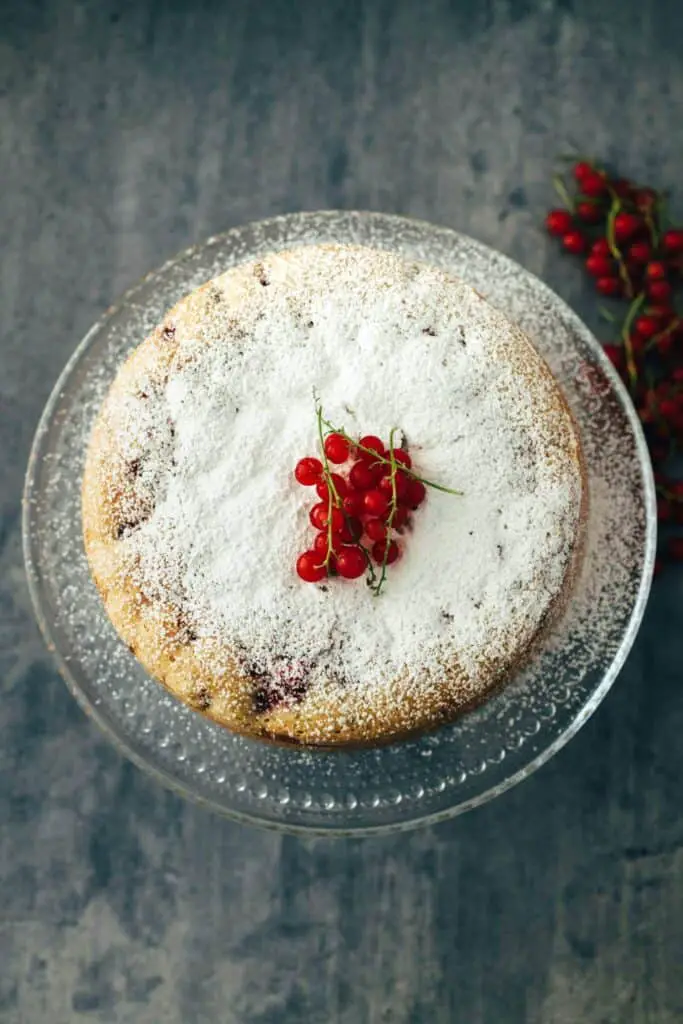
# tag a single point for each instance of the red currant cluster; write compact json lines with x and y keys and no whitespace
{"x":360,"y":509}
{"x":619,"y":227}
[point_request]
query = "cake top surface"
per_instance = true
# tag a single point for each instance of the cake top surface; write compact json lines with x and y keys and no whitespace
{"x":209,"y":417}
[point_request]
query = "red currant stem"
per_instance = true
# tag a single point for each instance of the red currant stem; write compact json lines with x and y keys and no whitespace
{"x":669,"y":329}
{"x":563,"y":193}
{"x":334,"y":497}
{"x":387,"y":462}
{"x":626,"y":337}
{"x":392,"y":512}
{"x":652,"y":228}
{"x":607,"y":314}
{"x":669,"y":495}
{"x":613,"y":247}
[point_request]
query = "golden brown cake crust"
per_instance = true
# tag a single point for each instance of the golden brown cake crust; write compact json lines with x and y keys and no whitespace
{"x":163,"y":617}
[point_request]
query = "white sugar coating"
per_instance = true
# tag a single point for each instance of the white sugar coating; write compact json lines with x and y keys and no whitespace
{"x":384,"y":343}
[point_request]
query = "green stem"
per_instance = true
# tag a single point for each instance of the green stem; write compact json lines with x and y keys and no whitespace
{"x":614,"y":248}
{"x":626,"y":338}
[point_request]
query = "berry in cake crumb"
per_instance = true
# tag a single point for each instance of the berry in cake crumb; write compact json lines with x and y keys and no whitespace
{"x":308,"y":471}
{"x":372,"y":443}
{"x":362,"y":475}
{"x":352,"y":503}
{"x":339,"y":483}
{"x":320,"y":516}
{"x":417,"y":493}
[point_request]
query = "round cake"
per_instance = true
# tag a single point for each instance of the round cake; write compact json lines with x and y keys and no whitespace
{"x":195,"y":517}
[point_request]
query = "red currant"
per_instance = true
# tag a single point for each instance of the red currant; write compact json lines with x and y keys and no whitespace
{"x":622,"y":187}
{"x":402,"y":482}
{"x":372,"y":443}
{"x":590,"y":213}
{"x":308,"y":471}
{"x":582,"y":170}
{"x":319,"y":517}
{"x":574,"y":242}
{"x":593,"y":185}
{"x":672,"y":241}
{"x":608,"y":285}
{"x":375,"y":503}
{"x":380,"y":549}
{"x":351,"y":531}
{"x":321,"y":542}
{"x":659,"y":291}
{"x":401,"y":517}
{"x":340,"y":486}
{"x":351,"y":563}
{"x":646,"y":326}
{"x":644,"y":198}
{"x":558,"y":222}
{"x":614,"y":354}
{"x":337,"y":448}
{"x":626,"y":225}
{"x":639,"y":252}
{"x":309,"y":568}
{"x":362,"y":475}
{"x":599,"y":266}
{"x":375,"y":529}
{"x":656,"y":271}
{"x":402,"y":456}
{"x":352,"y":503}
{"x":416,"y":493}
{"x":600,"y":248}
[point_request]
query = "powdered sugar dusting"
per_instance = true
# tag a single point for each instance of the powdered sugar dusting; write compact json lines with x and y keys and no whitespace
{"x":384,"y":343}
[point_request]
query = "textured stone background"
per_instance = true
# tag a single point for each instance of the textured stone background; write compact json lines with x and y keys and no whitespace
{"x":128,"y":131}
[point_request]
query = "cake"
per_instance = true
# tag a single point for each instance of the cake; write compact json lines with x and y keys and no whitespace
{"x":193,"y":519}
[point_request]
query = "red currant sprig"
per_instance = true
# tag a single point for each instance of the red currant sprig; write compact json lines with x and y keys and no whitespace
{"x":363,"y":510}
{"x":633,"y":256}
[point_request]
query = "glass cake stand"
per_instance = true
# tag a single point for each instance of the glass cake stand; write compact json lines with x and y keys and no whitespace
{"x":412,"y":782}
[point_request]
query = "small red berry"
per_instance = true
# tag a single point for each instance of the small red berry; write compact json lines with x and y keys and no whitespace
{"x":626,"y":225}
{"x":351,"y":563}
{"x":675,"y":548}
{"x":646,"y":326}
{"x":582,"y":170}
{"x":401,"y":455}
{"x":373,"y":443}
{"x":645,"y":199}
{"x":656,"y":271}
{"x":664,"y":510}
{"x":672,"y":241}
{"x":337,"y":448}
{"x":308,"y":471}
{"x":402,"y":482}
{"x":400,"y":518}
{"x":309,"y":568}
{"x":600,"y":247}
{"x":375,"y":503}
{"x":622,"y":187}
{"x":351,"y":531}
{"x":362,"y":475}
{"x":664,"y":344}
{"x":593,"y":185}
{"x":668,"y":409}
{"x":319,"y":517}
{"x":558,"y":222}
{"x":614,"y":354}
{"x":416,"y":493}
{"x":661,"y":313}
{"x":380,"y":549}
{"x":352,"y":503}
{"x":659,"y":291}
{"x":320,"y":544}
{"x":590,"y":213}
{"x":608,"y":285}
{"x":375,"y":529}
{"x":340,"y":486}
{"x":599,"y":266}
{"x":574,"y":242}
{"x":639,"y":252}
{"x":678,"y":374}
